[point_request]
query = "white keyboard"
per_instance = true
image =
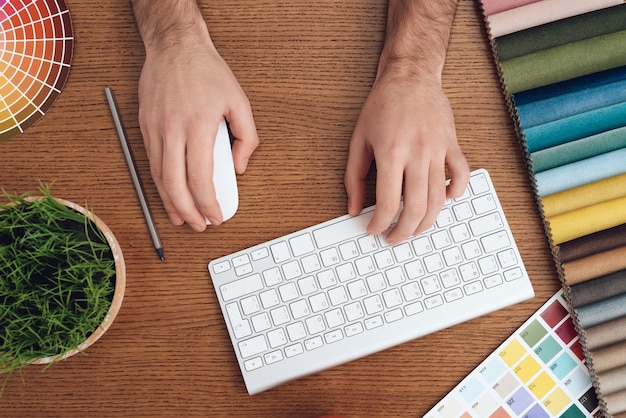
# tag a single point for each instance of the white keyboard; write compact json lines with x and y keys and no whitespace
{"x":330,"y":293}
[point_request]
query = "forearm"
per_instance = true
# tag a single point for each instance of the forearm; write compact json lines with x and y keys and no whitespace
{"x":169,"y":23}
{"x":417,"y":37}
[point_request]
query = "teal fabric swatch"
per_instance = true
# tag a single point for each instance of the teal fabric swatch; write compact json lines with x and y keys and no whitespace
{"x":575,"y":127}
{"x":580,"y":149}
{"x":572,"y":103}
{"x":582,"y":172}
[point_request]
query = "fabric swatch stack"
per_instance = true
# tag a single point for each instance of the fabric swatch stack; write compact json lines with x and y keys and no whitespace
{"x":563,"y":69}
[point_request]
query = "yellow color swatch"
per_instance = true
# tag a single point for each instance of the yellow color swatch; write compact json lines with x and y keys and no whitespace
{"x":527,"y":369}
{"x":585,"y":221}
{"x":556,"y":401}
{"x":541,"y":385}
{"x":512,"y":353}
{"x":583,"y":196}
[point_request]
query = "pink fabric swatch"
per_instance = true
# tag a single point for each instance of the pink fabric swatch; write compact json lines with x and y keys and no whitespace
{"x":541,"y":12}
{"x":491,"y":7}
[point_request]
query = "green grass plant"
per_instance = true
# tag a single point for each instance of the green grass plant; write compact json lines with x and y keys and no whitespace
{"x":57,"y":278}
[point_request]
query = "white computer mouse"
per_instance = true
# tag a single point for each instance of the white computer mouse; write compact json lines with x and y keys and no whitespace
{"x":224,"y":177}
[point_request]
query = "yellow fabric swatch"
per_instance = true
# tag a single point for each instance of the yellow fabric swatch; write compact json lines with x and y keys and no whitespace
{"x":577,"y":223}
{"x":586,"y":195}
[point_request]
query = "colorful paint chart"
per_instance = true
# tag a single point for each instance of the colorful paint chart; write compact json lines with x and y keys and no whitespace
{"x":36,"y":45}
{"x":538,"y":372}
{"x":563,"y":69}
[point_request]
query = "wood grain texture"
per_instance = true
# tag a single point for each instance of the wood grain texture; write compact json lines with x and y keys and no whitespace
{"x":307,"y":68}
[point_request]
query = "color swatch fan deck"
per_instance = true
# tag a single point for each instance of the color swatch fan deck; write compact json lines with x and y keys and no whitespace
{"x":36,"y":45}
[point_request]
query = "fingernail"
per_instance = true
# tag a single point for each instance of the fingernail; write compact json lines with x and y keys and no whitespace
{"x":213,"y":221}
{"x":198,"y":228}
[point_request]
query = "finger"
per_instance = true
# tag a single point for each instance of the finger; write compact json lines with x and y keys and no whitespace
{"x":175,"y":183}
{"x":459,"y":173}
{"x":359,"y":162}
{"x":200,"y":171}
{"x":243,"y":128}
{"x":436,"y":197}
{"x":389,"y":178}
{"x":154,"y":151}
{"x":415,"y":202}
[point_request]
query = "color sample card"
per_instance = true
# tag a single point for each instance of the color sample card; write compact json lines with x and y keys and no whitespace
{"x":36,"y":46}
{"x":538,"y":372}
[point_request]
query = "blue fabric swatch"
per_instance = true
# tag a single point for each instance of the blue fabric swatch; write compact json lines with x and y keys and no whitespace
{"x":581,"y":172}
{"x":575,"y":127}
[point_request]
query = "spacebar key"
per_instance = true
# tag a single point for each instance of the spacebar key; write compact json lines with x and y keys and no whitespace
{"x":342,"y":229}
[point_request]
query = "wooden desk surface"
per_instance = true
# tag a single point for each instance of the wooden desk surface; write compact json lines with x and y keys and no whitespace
{"x":307,"y":68}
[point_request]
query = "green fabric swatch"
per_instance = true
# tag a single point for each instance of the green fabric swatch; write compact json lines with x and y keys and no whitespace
{"x":581,"y":149}
{"x":561,"y":32}
{"x":564,"y":62}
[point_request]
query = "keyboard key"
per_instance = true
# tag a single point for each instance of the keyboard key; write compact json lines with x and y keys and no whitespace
{"x":330,"y":257}
{"x":376,"y":282}
{"x":343,"y":230}
{"x":291,"y":270}
{"x":280,"y":315}
{"x":261,"y":322}
{"x":349,"y":250}
{"x":411,"y":291}
{"x":299,"y":309}
{"x":253,"y":364}
{"x":241,"y":327}
{"x":430,"y":285}
{"x":259,"y":254}
{"x":294,"y":350}
{"x":296,"y":331}
{"x":334,"y":318}
{"x":241,"y":287}
{"x":301,"y":244}
{"x":357,"y":289}
{"x":315,"y":324}
{"x":395,"y":276}
{"x":273,"y":357}
{"x":392,"y":298}
{"x":367,"y":244}
{"x":326,"y":279}
{"x":413,"y":308}
{"x":338,"y":296}
{"x":313,"y":343}
{"x":288,"y":292}
{"x":479,"y":184}
{"x":403,"y":252}
{"x":307,"y":285}
{"x":311,"y":263}
{"x":384,"y":259}
{"x":280,"y":252}
{"x":374,"y":322}
{"x":272,"y":276}
{"x":354,"y":311}
{"x":318,"y":302}
{"x":353,"y":329}
{"x":433,"y":302}
{"x":365,"y":266}
{"x":269,"y":298}
{"x":495,"y":242}
{"x":484,"y":204}
{"x":486,"y":224}
{"x":373,"y":304}
{"x":252,"y":346}
{"x":422,"y":246}
{"x":333,"y":336}
{"x":277,"y":338}
{"x":250,"y":305}
{"x":346,"y":272}
{"x":393,"y":316}
{"x":221,"y":267}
